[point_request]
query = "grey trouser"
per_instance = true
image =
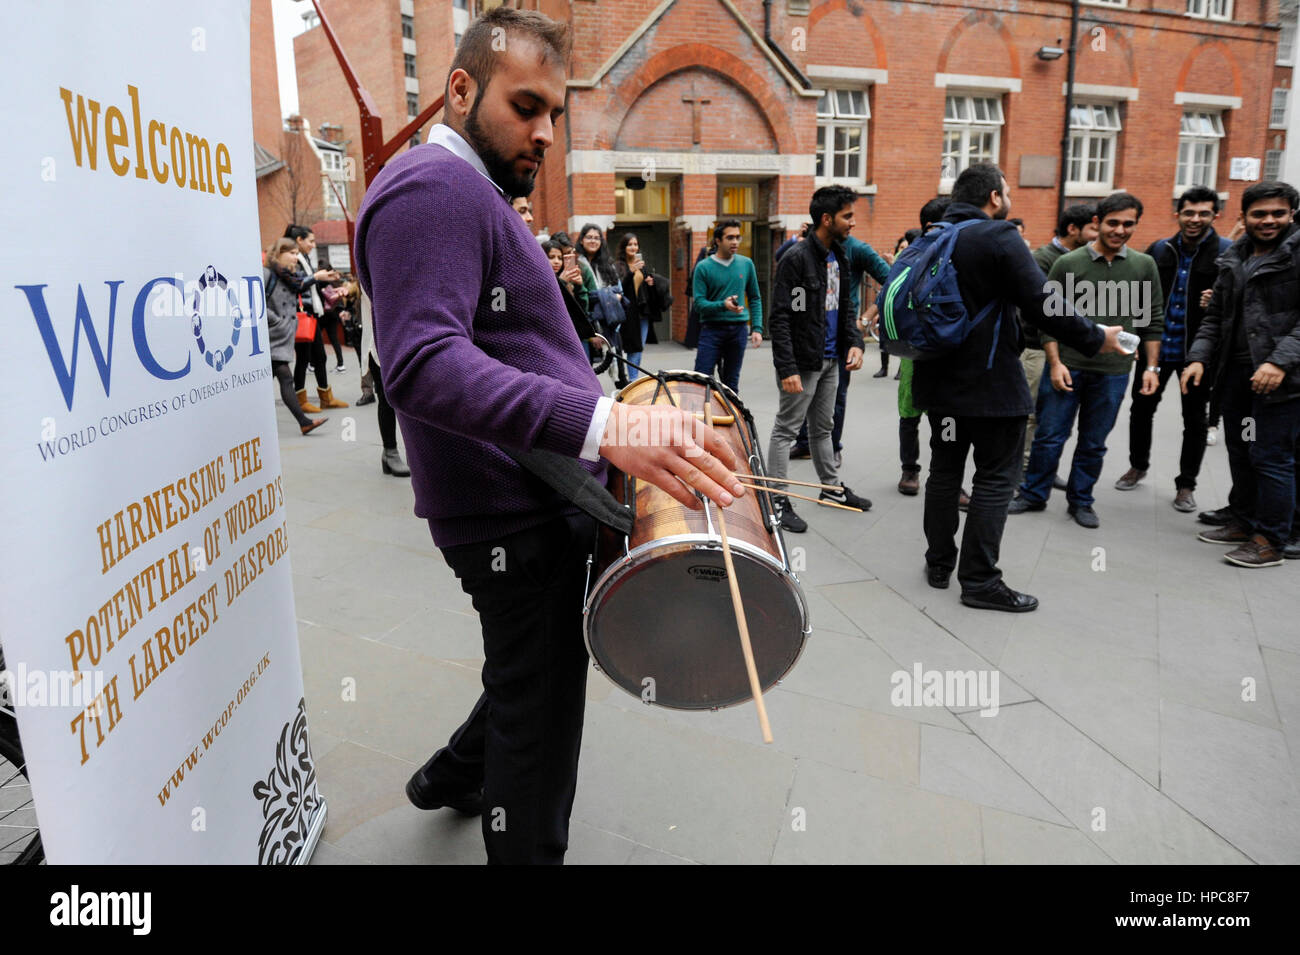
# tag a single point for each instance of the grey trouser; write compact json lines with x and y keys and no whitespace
{"x":1034,"y":361}
{"x":817,"y":403}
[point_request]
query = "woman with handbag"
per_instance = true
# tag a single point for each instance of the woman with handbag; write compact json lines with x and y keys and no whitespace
{"x":282,"y":323}
{"x":310,"y":351}
{"x":639,"y":291}
{"x":610,"y":315}
{"x":334,"y":299}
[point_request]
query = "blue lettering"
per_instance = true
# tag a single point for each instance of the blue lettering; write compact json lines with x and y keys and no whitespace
{"x":66,"y":373}
{"x":255,"y":320}
{"x":137,"y":329}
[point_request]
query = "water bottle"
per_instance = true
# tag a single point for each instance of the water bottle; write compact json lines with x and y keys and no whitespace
{"x":1128,"y":342}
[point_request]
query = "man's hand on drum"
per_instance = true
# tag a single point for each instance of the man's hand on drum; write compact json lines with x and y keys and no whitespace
{"x":673,"y":450}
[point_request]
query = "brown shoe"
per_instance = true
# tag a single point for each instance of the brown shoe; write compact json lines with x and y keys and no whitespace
{"x":1256,"y":552}
{"x":305,"y":405}
{"x":1129,"y":479}
{"x":309,"y":428}
{"x":1184,"y":500}
{"x":327,"y":399}
{"x":1233,"y":533}
{"x":909,"y":483}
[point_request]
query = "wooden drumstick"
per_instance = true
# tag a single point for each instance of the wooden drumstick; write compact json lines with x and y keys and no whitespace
{"x":745,"y":645}
{"x":802,"y":497}
{"x":776,"y":480}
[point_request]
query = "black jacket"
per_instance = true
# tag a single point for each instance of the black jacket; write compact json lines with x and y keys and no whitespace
{"x":647,"y":304}
{"x":993,"y":262}
{"x":797,"y":324}
{"x":1204,"y":271}
{"x":1270,"y":306}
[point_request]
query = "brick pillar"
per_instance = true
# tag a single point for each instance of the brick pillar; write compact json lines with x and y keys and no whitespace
{"x":699,"y":194}
{"x":593,"y":200}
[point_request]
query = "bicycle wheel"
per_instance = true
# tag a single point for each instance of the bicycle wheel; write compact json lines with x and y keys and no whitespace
{"x":20,"y":836}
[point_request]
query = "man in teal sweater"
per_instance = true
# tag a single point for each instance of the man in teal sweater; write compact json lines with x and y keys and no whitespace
{"x":1103,"y":279}
{"x":722,"y":282}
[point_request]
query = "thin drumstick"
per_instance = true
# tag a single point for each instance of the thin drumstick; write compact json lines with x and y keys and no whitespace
{"x":776,"y":480}
{"x":802,"y":497}
{"x":745,"y":646}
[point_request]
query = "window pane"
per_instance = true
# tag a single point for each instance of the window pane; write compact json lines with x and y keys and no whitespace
{"x":995,"y":109}
{"x":949,"y":107}
{"x":961,"y":105}
{"x":1080,"y":117}
{"x":843,"y":103}
{"x":981,"y":109}
{"x":824,"y":107}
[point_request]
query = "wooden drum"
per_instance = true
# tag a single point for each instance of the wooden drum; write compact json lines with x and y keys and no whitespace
{"x":659,"y":620}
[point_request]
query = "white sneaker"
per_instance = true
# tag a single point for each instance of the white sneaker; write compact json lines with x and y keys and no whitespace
{"x":1212,"y":437}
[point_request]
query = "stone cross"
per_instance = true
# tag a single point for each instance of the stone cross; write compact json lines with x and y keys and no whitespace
{"x":696,"y":102}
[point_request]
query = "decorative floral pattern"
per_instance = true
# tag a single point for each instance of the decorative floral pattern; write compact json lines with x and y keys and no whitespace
{"x":288,"y":795}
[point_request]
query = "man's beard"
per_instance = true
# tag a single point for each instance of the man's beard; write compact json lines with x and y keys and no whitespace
{"x":497,"y":165}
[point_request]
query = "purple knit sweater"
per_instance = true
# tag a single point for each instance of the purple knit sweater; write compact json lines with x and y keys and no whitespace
{"x":475,"y":342}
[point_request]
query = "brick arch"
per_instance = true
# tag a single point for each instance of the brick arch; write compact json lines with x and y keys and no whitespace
{"x":857,"y":10}
{"x":1204,"y":47}
{"x":972,"y":19}
{"x":698,"y":56}
{"x":1113,"y":36}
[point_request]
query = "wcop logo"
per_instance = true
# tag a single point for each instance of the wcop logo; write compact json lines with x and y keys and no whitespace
{"x":212,"y":304}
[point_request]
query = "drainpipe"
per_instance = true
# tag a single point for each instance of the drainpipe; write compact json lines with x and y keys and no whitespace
{"x":804,"y":82}
{"x":1069,"y":105}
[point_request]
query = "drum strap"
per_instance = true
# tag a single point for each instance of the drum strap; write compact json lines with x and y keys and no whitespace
{"x":575,"y":484}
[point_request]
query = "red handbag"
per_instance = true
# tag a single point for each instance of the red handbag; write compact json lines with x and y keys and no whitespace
{"x":306,"y":330}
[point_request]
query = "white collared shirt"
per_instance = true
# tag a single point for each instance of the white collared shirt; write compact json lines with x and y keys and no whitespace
{"x":443,"y":135}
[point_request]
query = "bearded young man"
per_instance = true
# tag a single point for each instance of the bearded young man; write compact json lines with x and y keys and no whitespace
{"x":483,"y":366}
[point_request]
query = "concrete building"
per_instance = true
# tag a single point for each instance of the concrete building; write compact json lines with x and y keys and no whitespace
{"x":683,"y":111}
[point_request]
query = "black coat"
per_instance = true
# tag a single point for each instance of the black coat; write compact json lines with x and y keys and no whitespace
{"x":993,"y":262}
{"x":1204,"y":271}
{"x":1270,"y":307}
{"x":797,"y":323}
{"x":645,"y":304}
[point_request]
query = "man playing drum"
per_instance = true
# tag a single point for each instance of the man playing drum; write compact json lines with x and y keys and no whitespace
{"x":479,"y":355}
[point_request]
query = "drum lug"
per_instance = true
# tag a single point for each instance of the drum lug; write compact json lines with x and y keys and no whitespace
{"x":595,"y":666}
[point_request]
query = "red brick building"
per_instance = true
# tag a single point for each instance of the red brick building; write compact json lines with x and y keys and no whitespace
{"x":682,"y":111}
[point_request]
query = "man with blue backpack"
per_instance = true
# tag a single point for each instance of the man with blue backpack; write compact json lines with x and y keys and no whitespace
{"x":950,"y":303}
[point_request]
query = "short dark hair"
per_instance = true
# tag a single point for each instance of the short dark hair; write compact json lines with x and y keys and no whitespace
{"x":1077,"y":215}
{"x":1198,"y":194}
{"x":976,"y":183}
{"x":723,"y":226}
{"x":933,"y":210}
{"x":1117,"y":202}
{"x":479,"y":46}
{"x":550,"y":244}
{"x":1018,"y":223}
{"x":562,"y":238}
{"x":829,"y":200}
{"x":1270,"y":189}
{"x":296,"y":232}
{"x":908,"y":237}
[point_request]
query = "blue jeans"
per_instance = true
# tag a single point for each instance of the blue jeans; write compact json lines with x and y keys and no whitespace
{"x":632,"y":373}
{"x":1096,"y":398}
{"x":722,"y":344}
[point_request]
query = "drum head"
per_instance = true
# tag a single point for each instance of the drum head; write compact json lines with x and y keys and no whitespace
{"x":665,"y":630}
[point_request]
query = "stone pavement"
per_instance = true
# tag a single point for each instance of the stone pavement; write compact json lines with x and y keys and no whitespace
{"x":1149,"y":710}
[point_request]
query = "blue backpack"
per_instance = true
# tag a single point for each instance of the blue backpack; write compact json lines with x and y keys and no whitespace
{"x":922,"y":315}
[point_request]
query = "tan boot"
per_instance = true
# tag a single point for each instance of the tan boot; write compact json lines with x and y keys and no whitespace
{"x":327,"y":399}
{"x":305,"y":405}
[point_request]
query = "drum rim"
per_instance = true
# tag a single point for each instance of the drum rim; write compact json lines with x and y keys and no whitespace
{"x":687,"y":374}
{"x":620,"y":567}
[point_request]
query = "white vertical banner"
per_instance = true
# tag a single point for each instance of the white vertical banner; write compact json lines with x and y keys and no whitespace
{"x":146,"y":603}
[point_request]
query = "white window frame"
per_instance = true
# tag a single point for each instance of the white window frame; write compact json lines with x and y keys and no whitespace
{"x":1104,"y":3}
{"x":1088,"y":128}
{"x":1286,"y":44}
{"x":332,"y":166}
{"x":1273,"y":158}
{"x":1278,"y":108}
{"x":1210,"y":9}
{"x":964,"y":122}
{"x":842,"y":114}
{"x":1200,"y":131}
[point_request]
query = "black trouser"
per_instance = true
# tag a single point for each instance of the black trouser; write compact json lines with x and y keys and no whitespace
{"x":884,"y":356}
{"x":998,"y":445}
{"x":387,"y":417}
{"x":281,"y":371}
{"x":313,"y":352}
{"x":1263,"y":439}
{"x":330,"y":323}
{"x":909,"y":443}
{"x":1143,"y":411}
{"x":522,"y":738}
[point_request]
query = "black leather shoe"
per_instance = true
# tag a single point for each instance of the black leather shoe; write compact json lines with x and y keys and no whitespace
{"x":1001,"y":597}
{"x":1085,"y":517}
{"x":1059,"y":483}
{"x":1020,"y":505}
{"x":881,"y":374}
{"x":423,"y":796}
{"x":1216,"y":518}
{"x":936,"y":578}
